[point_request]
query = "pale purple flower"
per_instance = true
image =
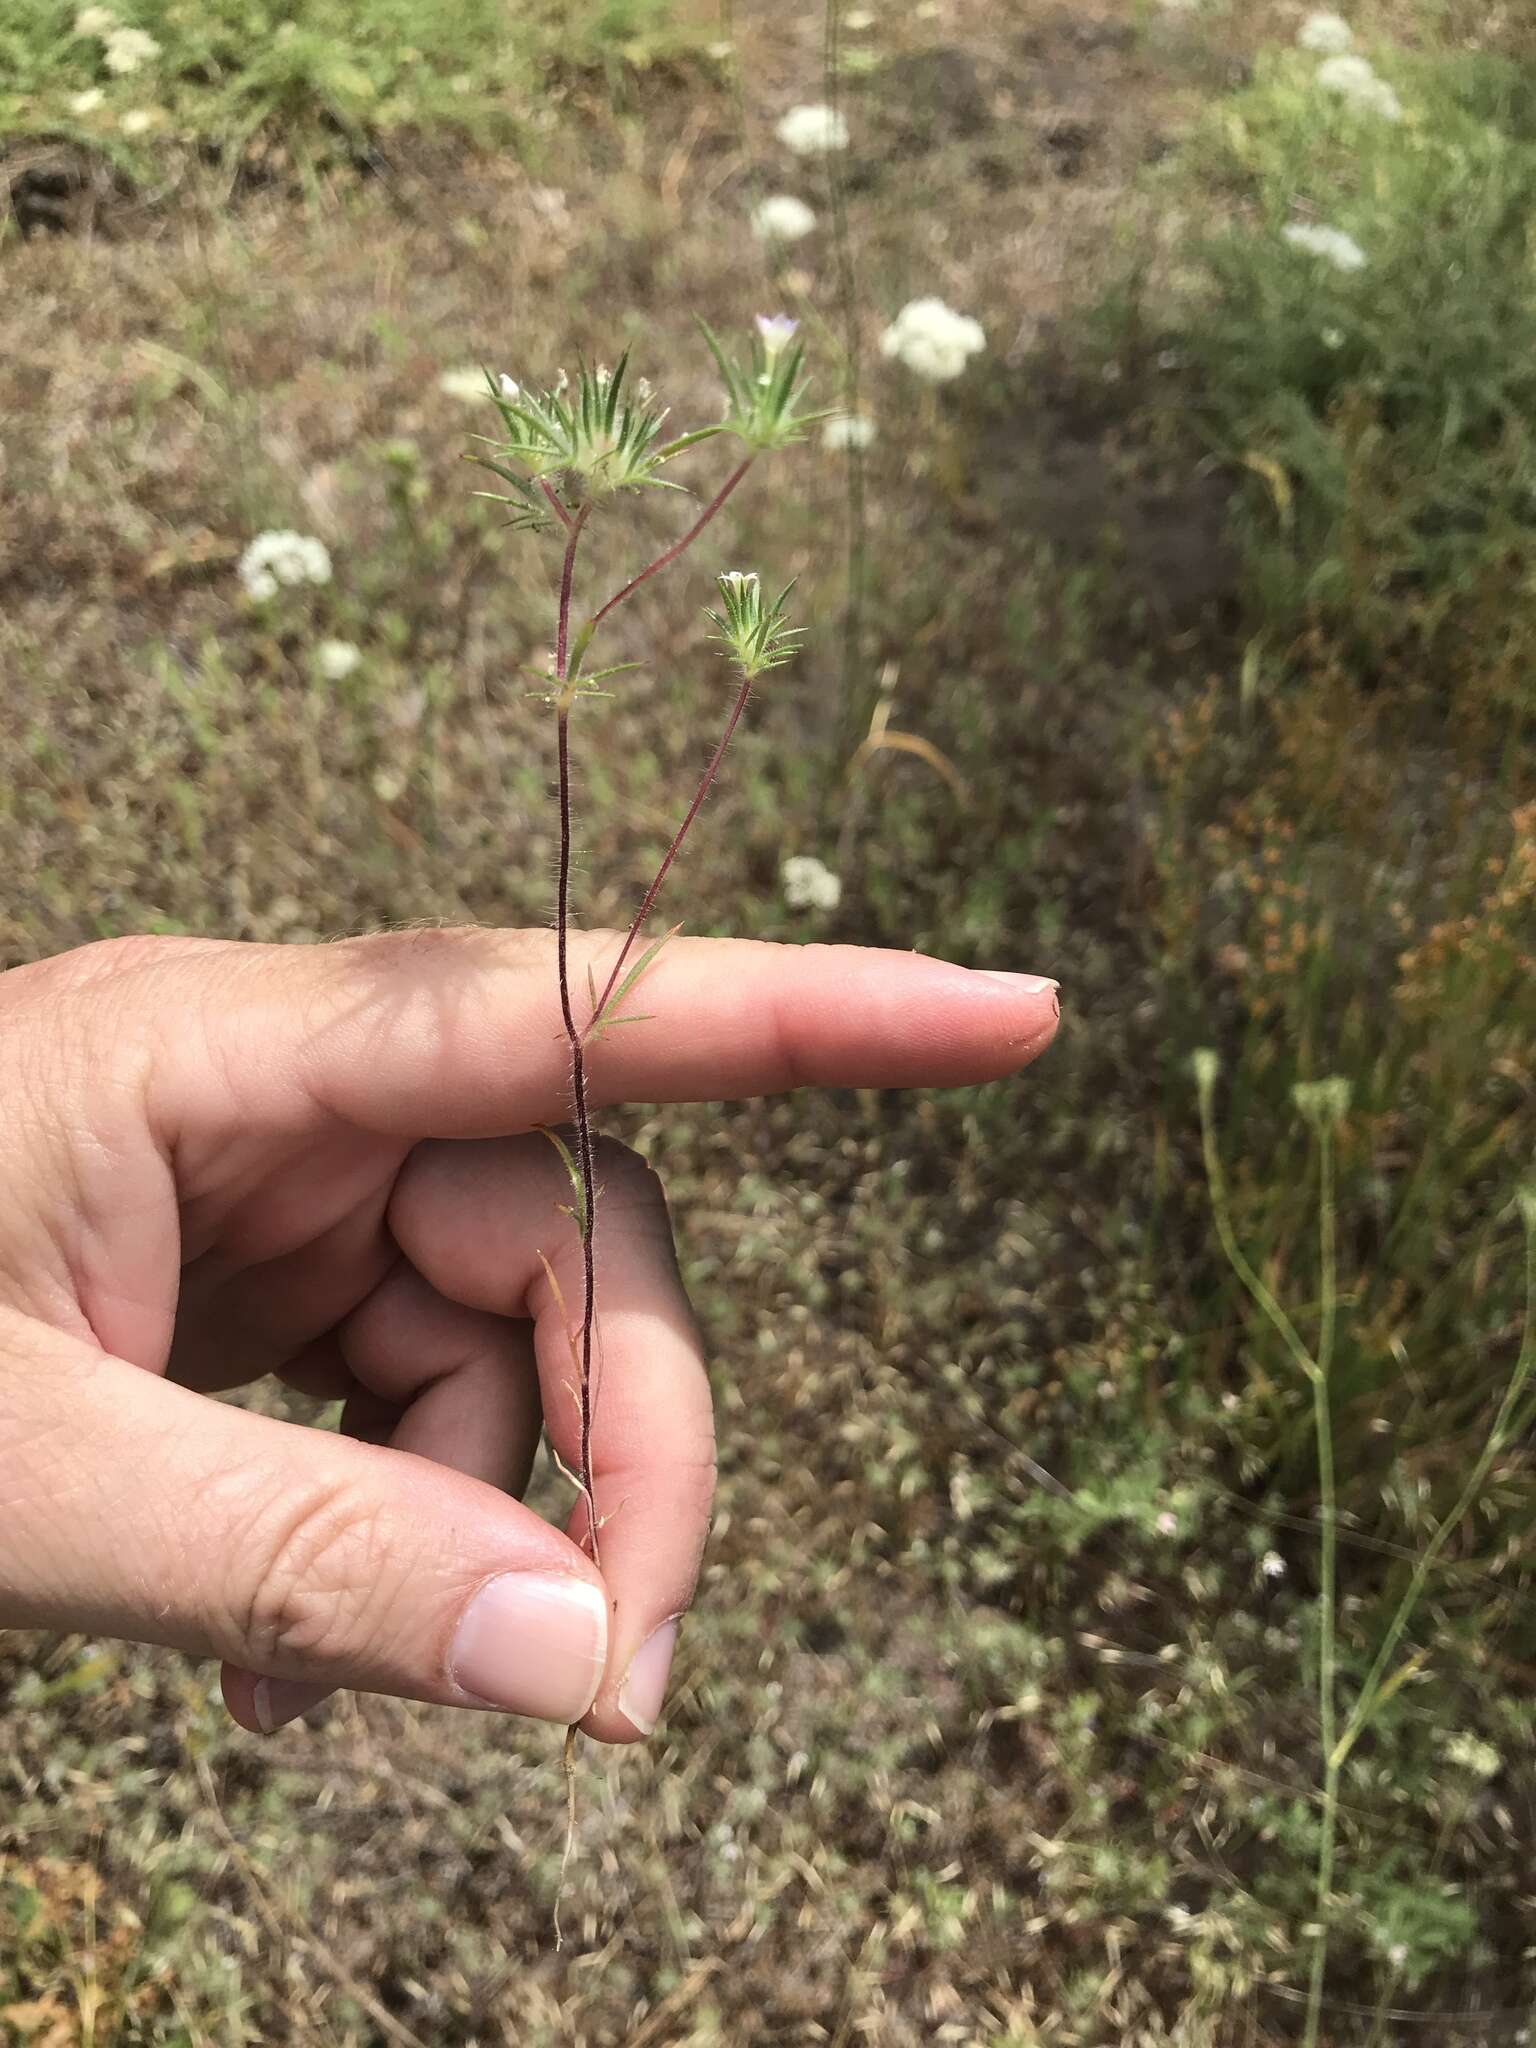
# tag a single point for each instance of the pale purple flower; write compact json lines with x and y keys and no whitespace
{"x":778,"y":330}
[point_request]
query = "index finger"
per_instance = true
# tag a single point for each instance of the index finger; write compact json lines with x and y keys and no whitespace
{"x":457,"y":1034}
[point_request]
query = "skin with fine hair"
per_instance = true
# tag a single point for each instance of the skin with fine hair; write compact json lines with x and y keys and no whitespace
{"x":225,"y":1161}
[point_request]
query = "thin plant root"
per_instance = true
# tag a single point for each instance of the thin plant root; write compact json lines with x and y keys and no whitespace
{"x":568,"y":1766}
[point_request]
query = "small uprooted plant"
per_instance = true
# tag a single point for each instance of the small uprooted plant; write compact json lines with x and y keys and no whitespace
{"x":566,"y":456}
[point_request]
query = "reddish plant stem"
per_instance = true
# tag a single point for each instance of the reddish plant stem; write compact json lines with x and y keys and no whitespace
{"x":705,"y":784}
{"x":579,"y":1111}
{"x":567,"y":572}
{"x":677,"y":548}
{"x":580,"y":1114}
{"x":555,"y":505}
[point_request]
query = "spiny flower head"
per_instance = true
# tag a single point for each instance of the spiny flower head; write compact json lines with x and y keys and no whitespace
{"x":587,"y":436}
{"x":765,"y":392}
{"x":755,"y":630}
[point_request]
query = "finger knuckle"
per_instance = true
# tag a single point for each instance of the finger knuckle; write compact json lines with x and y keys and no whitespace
{"x":319,"y":1585}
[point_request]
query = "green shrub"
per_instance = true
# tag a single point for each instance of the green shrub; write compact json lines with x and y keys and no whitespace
{"x":1386,"y":410}
{"x":313,"y":74}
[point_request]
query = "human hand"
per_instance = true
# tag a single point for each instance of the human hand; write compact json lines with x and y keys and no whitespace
{"x":221,"y":1161}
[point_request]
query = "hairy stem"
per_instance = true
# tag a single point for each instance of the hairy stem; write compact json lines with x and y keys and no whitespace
{"x":555,"y":505}
{"x":579,"y":1112}
{"x":670,"y":555}
{"x":706,"y":781}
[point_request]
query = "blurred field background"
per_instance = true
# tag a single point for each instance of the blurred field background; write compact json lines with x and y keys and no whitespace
{"x":1208,"y":593}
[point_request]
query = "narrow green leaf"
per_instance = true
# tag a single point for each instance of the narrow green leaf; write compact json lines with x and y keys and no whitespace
{"x":606,"y":1017}
{"x":579,"y":1213}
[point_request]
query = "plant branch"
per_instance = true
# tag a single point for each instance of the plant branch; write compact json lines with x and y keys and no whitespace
{"x":555,"y":505}
{"x":706,"y":781}
{"x":1261,"y":1295}
{"x":670,"y":555}
{"x":1499,"y":1435}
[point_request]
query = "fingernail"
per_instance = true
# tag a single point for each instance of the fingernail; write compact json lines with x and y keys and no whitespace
{"x":533,"y":1643}
{"x":1021,"y":984}
{"x":645,"y":1682}
{"x":277,"y":1701}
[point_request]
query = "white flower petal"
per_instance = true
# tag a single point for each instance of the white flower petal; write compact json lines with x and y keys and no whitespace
{"x":1329,"y":35}
{"x":809,"y":884}
{"x":782,"y":218}
{"x":336,"y":659}
{"x":848,"y":430}
{"x":812,"y":131}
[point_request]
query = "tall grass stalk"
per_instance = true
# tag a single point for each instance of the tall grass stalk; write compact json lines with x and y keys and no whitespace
{"x":1507,"y":1426}
{"x":850,"y":394}
{"x":1324,"y":1104}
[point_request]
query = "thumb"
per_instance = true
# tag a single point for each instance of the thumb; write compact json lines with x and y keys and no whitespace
{"x":136,"y":1508}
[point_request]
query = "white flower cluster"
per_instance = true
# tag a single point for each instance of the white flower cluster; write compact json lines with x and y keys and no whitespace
{"x":807,"y":131}
{"x":1332,"y":245}
{"x":462,"y":383}
{"x":932,"y":340}
{"x":1352,"y":80}
{"x":128,"y":48}
{"x":336,"y":659}
{"x":812,"y":131}
{"x":281,"y":556}
{"x":1325,"y":34}
{"x":782,"y":218}
{"x":809,"y":884}
{"x":848,"y":430}
{"x":1474,"y":1755}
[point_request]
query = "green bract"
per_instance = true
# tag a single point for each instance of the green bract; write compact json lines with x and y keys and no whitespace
{"x":587,"y":440}
{"x":764,"y":395}
{"x":757,"y":633}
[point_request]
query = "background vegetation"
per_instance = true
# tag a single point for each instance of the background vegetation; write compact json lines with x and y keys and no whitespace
{"x":1208,"y":590}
